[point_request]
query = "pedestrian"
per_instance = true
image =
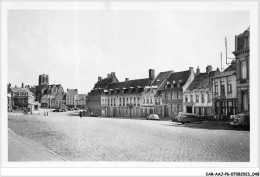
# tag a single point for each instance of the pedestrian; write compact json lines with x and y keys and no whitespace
{"x":80,"y":114}
{"x":47,"y":114}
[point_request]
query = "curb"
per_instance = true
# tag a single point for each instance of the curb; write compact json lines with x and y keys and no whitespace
{"x":53,"y":153}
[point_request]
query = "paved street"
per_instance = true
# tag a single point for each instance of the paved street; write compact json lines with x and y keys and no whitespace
{"x":22,"y":149}
{"x":113,"y":139}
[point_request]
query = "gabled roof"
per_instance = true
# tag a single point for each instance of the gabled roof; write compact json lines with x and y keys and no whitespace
{"x":19,"y":89}
{"x":130,"y":83}
{"x":72,"y":91}
{"x":80,"y":97}
{"x":224,"y":74}
{"x":41,"y":87}
{"x":14,"y":89}
{"x":103,"y":83}
{"x":231,"y":67}
{"x":201,"y":81}
{"x":160,"y":78}
{"x":177,"y":76}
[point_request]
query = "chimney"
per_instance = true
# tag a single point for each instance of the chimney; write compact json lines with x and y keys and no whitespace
{"x":151,"y":74}
{"x":108,"y":75}
{"x":198,"y":70}
{"x":99,"y":78}
{"x":190,"y":70}
{"x":113,"y":74}
{"x":126,"y":79}
{"x":208,"y":68}
{"x":22,"y":85}
{"x":9,"y":84}
{"x":15,"y":86}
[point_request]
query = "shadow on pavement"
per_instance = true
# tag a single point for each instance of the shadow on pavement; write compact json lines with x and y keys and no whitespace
{"x":210,"y":126}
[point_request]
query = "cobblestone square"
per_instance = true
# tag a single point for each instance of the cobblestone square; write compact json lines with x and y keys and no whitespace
{"x":113,"y":139}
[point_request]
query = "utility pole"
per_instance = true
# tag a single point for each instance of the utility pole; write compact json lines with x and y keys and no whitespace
{"x":221,"y":61}
{"x":226,"y":49}
{"x":226,"y":52}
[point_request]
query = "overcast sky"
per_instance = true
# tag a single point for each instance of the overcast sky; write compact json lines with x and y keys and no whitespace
{"x":75,"y":48}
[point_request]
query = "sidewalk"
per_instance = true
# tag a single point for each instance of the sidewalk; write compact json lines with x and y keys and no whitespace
{"x":22,"y":149}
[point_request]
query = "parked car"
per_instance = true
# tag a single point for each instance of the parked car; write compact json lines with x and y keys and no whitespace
{"x":64,"y":109}
{"x":187,"y":118}
{"x":93,"y":114}
{"x":152,"y":117}
{"x":76,"y":109}
{"x":57,"y":110}
{"x":241,"y":119}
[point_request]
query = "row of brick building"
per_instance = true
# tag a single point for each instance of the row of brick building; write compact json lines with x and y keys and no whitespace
{"x":207,"y":93}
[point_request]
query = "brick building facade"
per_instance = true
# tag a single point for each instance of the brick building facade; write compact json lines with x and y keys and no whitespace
{"x":172,"y":92}
{"x":242,"y":56}
{"x":93,"y":99}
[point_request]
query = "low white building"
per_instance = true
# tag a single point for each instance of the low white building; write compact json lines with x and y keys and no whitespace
{"x":225,"y":92}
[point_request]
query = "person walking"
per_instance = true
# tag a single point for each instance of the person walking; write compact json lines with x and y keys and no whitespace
{"x":80,"y":114}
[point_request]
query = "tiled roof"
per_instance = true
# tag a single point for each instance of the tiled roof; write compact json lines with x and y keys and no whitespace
{"x":201,"y":81}
{"x":41,"y":87}
{"x":227,"y":73}
{"x":130,"y":83}
{"x":160,"y":78}
{"x":80,"y":97}
{"x":177,"y":76}
{"x":19,"y":89}
{"x":103,"y":83}
{"x":14,"y":89}
{"x":231,"y":67}
{"x":95,"y":92}
{"x":72,"y":91}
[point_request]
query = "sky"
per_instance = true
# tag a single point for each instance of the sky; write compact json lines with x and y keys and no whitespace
{"x":75,"y":47}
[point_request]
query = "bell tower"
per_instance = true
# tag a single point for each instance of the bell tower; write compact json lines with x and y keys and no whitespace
{"x":43,"y":79}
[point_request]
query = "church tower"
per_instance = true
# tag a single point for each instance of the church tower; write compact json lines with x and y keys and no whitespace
{"x":43,"y":79}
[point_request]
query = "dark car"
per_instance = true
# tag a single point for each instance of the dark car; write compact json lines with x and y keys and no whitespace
{"x":64,"y":109}
{"x":57,"y":110}
{"x":93,"y":115}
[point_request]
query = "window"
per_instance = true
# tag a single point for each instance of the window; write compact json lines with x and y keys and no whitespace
{"x":134,"y":101}
{"x":178,"y":108}
{"x":186,"y":98}
{"x":172,"y":108}
{"x":222,"y":87}
{"x":243,"y":69}
{"x":202,"y":98}
{"x":147,"y":100}
{"x":120,"y":101}
{"x":114,"y":101}
{"x":130,"y":100}
{"x":144,"y":100}
{"x":191,"y":98}
{"x":166,"y":96}
{"x":209,"y":98}
{"x":138,"y":103}
{"x":172,"y":95}
{"x":216,"y":88}
{"x":246,"y":44}
{"x":151,"y":100}
{"x":197,"y":98}
{"x":111,"y":102}
{"x":229,"y":88}
{"x":108,"y":101}
{"x":179,"y":95}
{"x":244,"y":101}
{"x":123,"y":101}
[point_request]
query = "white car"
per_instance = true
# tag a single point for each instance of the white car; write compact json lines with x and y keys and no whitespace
{"x":153,"y":117}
